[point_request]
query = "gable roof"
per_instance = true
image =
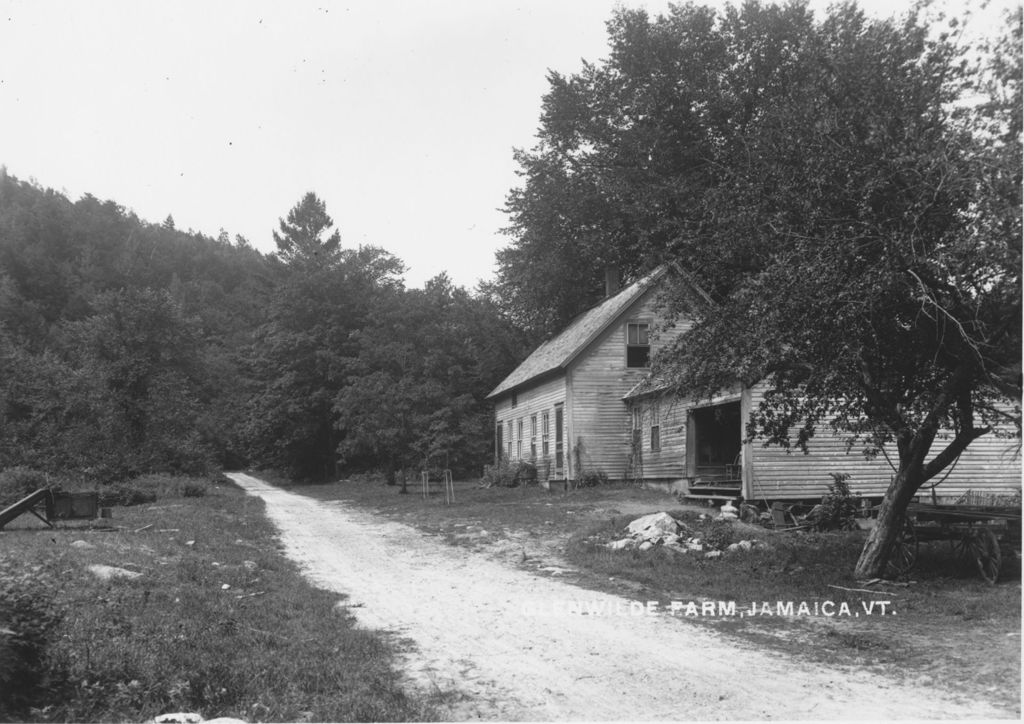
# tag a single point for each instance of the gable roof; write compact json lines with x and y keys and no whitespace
{"x":556,"y":353}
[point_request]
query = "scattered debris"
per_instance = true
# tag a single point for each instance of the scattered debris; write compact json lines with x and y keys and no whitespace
{"x":622,"y":544}
{"x":106,"y":573}
{"x":250,"y":595}
{"x":82,"y":544}
{"x":729,"y":512}
{"x":863,"y":590}
{"x":743,"y":545}
{"x":145,"y":527}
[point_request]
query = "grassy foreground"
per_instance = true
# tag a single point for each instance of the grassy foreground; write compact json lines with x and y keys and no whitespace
{"x":203,"y":614}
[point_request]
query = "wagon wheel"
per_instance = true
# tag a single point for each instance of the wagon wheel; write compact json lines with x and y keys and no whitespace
{"x":983,"y":548}
{"x":904,"y":551}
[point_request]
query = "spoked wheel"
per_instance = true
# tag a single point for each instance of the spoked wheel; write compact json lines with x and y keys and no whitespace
{"x":904,"y":551}
{"x":982,"y":547}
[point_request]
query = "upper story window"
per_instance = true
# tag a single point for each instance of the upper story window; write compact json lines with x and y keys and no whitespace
{"x":638,"y":344}
{"x":515,"y":399}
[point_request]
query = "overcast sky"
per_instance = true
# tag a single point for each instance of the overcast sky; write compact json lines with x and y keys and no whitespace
{"x":401,"y":115}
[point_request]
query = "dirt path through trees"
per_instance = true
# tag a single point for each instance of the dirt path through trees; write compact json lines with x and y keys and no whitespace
{"x":516,"y":646}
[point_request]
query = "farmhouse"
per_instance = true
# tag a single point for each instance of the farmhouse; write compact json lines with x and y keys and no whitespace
{"x":584,"y":402}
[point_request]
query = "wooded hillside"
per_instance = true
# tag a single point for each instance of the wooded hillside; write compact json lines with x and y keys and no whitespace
{"x":129,"y":347}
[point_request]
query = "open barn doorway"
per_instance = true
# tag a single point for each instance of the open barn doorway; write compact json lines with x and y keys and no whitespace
{"x":713,"y":452}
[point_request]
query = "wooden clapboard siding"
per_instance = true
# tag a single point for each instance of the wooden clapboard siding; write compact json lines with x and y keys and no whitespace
{"x":598,"y":418}
{"x":990,"y":464}
{"x":540,"y":397}
{"x":670,"y":462}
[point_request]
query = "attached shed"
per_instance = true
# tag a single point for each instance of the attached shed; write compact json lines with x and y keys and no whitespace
{"x":716,"y":462}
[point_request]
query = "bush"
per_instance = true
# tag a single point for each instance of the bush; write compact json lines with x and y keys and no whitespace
{"x":193,"y":490}
{"x":718,"y":534}
{"x":28,"y":618}
{"x":838,"y":508}
{"x":16,"y":483}
{"x":124,"y":494}
{"x":509,"y":474}
{"x":148,"y":488}
{"x":591,"y":479}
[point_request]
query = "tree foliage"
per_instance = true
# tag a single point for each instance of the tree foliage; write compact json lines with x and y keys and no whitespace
{"x":128,"y":347}
{"x":119,"y":339}
{"x":838,"y":200}
{"x":305,"y":238}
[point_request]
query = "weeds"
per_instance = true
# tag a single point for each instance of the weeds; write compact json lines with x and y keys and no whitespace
{"x":17,"y":482}
{"x":218,"y":623}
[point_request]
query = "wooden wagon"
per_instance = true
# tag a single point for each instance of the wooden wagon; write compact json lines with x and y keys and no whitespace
{"x":984,"y":535}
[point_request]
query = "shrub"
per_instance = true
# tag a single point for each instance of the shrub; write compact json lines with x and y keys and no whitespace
{"x":591,"y":479}
{"x":16,"y":483}
{"x":193,"y":490}
{"x":28,"y":617}
{"x":148,"y":488}
{"x":124,"y":494}
{"x":838,"y":508}
{"x":718,"y":534}
{"x":509,"y":474}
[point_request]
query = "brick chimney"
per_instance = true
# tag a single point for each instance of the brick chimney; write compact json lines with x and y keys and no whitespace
{"x":611,"y":281}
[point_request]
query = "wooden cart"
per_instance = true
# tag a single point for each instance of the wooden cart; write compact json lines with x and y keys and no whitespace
{"x":982,"y":534}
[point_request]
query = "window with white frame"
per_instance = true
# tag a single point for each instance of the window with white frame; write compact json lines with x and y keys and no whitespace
{"x":519,"y":439}
{"x":545,"y":433}
{"x":533,"y":438}
{"x":638,"y":344}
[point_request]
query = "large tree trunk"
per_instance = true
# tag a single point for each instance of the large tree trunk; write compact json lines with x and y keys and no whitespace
{"x":879,"y":545}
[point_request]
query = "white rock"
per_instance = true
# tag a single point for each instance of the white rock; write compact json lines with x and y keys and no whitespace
{"x":646,"y":545}
{"x":105,"y":573}
{"x":621,"y":544}
{"x":743,"y":545}
{"x":82,"y":544}
{"x":653,"y":526}
{"x":713,"y":554}
{"x":182,"y":717}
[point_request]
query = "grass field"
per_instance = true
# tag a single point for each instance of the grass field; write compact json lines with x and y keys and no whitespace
{"x":202,"y":614}
{"x":950,"y":628}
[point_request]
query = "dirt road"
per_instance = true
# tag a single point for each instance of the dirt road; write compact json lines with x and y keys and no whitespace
{"x":517,"y":646}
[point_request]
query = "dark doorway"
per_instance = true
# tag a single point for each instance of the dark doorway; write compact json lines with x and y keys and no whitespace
{"x":717,"y":440}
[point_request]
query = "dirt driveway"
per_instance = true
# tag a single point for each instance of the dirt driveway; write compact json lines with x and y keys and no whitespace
{"x":517,"y":646}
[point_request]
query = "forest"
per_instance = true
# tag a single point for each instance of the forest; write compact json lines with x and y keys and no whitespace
{"x":129,"y":347}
